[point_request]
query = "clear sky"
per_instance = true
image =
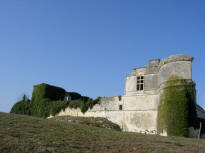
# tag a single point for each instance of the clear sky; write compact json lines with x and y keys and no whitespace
{"x":89,"y":46}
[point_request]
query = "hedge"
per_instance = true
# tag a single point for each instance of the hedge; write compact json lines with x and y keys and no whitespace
{"x":49,"y":100}
{"x":74,"y":95}
{"x":46,"y":91}
{"x":21,"y":107}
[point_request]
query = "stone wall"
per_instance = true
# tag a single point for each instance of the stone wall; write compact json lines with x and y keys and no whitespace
{"x":179,"y":68}
{"x":136,"y":111}
{"x":132,"y":121}
{"x":157,"y":73}
{"x":151,"y":82}
{"x":137,"y":114}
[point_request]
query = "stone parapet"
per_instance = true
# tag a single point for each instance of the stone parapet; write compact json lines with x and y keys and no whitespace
{"x":175,"y":58}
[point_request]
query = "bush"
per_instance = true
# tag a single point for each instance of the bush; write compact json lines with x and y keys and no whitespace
{"x":49,"y":100}
{"x":57,"y":106}
{"x":75,"y":103}
{"x":74,"y":95}
{"x":42,"y":108}
{"x":46,"y":91}
{"x":21,"y":107}
{"x":83,"y":104}
{"x":177,"y":109}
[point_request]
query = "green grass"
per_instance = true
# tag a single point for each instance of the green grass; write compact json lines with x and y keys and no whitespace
{"x":23,"y":134}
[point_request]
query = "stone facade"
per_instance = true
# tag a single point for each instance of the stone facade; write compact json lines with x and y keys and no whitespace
{"x":136,"y":111}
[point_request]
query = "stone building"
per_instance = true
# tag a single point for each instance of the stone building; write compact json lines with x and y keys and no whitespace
{"x":136,"y":110}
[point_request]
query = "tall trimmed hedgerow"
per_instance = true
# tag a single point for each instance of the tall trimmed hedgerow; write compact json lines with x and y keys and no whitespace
{"x":177,"y":108}
{"x":49,"y":100}
{"x":46,"y":91}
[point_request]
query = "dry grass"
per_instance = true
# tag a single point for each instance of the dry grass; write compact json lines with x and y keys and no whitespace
{"x":23,"y":134}
{"x":90,"y":121}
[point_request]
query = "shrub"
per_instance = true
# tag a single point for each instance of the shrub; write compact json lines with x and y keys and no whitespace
{"x":49,"y":100}
{"x":74,"y":95}
{"x":83,"y":104}
{"x":75,"y":103}
{"x":21,"y":107}
{"x":46,"y":91}
{"x":57,"y":106}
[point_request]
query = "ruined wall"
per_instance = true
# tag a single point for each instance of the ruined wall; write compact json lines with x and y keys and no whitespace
{"x":137,"y":114}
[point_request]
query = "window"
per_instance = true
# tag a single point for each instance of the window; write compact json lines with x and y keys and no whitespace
{"x":120,"y":107}
{"x":140,"y":83}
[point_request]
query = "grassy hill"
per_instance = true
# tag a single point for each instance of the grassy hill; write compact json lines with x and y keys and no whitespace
{"x":90,"y":121}
{"x":23,"y":134}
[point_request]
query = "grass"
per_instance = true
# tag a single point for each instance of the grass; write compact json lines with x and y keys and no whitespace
{"x":90,"y":121}
{"x":23,"y":134}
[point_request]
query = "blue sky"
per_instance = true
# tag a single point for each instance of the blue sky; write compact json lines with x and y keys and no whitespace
{"x":90,"y":46}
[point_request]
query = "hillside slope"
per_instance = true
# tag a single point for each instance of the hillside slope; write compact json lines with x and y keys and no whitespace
{"x":90,"y":121}
{"x":22,"y":134}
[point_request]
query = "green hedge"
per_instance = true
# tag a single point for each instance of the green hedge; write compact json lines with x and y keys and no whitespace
{"x":74,"y":95}
{"x":84,"y":103}
{"x":42,"y":108}
{"x":45,"y":107}
{"x":46,"y":91}
{"x":177,"y":108}
{"x":49,"y":100}
{"x":21,"y":107}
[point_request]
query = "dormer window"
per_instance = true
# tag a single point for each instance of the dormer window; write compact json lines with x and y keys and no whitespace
{"x":140,"y":83}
